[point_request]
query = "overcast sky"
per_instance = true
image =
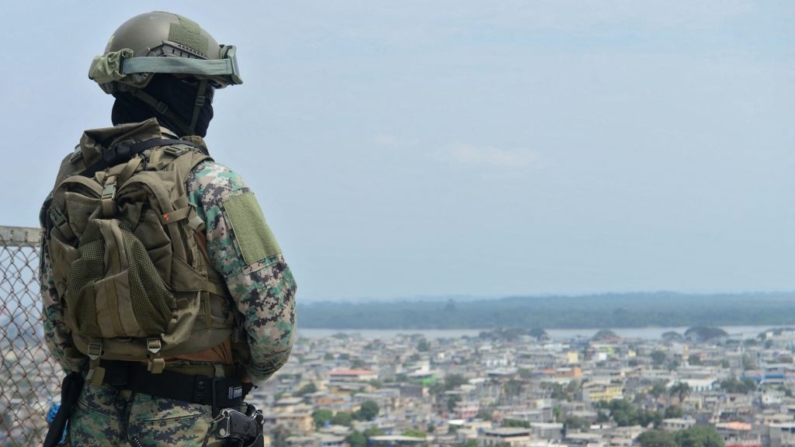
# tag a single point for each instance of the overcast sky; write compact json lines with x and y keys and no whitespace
{"x":482,"y":148}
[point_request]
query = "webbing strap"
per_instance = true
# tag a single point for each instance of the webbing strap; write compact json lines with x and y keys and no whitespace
{"x":107,"y":200}
{"x":161,"y":108}
{"x":201,"y":98}
{"x":215,"y":287}
{"x":129,"y":169}
{"x":219,"y":392}
{"x":216,"y":67}
{"x":175,"y":216}
{"x":123,"y":152}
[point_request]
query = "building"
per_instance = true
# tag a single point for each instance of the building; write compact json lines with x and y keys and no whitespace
{"x":352,"y":375}
{"x":595,"y":392}
{"x":782,"y":435}
{"x":676,"y":424}
{"x":515,"y":437}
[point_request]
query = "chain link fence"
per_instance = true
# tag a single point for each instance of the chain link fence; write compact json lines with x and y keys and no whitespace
{"x":30,"y":378}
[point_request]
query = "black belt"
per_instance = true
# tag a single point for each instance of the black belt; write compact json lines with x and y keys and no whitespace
{"x":224,"y":392}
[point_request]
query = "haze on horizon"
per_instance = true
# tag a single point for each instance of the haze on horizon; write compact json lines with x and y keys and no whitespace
{"x":467,"y":148}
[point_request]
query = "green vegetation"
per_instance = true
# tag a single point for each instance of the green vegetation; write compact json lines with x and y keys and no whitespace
{"x":453,"y":381}
{"x":624,"y":414}
{"x":537,"y":332}
{"x":360,"y":439}
{"x":414,"y":433}
{"x":698,"y":437}
{"x":701,"y":333}
{"x":681,"y":390}
{"x":306,"y":389}
{"x":321,"y":417}
{"x":734,"y":385}
{"x":485,"y":413}
{"x":358,"y":364}
{"x":701,"y":312}
{"x":673,"y":413}
{"x":560,"y":392}
{"x":366,"y":412}
{"x":658,"y":388}
{"x":514,"y":423}
{"x":656,"y":438}
{"x":576,"y":423}
{"x":673,"y":336}
{"x":356,"y":439}
{"x":691,"y":437}
{"x":604,"y":334}
{"x":342,"y":418}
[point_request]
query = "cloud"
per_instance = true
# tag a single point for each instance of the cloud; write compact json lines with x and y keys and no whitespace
{"x":467,"y":154}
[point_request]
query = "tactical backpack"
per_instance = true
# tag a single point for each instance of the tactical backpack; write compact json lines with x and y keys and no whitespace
{"x":126,"y":252}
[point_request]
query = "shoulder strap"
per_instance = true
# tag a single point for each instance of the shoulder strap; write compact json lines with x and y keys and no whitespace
{"x":123,"y":152}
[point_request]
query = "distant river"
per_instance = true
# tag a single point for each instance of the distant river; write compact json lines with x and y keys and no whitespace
{"x":647,"y":333}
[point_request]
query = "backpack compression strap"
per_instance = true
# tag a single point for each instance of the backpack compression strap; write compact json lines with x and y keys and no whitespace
{"x":123,"y":152}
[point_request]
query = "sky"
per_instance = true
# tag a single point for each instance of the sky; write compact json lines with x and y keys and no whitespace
{"x":417,"y":148}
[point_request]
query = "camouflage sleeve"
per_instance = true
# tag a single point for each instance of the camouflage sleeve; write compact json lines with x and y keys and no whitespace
{"x":56,"y":335}
{"x":256,"y":274}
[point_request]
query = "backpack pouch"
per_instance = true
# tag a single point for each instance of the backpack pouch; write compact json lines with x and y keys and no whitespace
{"x":114,"y":289}
{"x":79,"y":208}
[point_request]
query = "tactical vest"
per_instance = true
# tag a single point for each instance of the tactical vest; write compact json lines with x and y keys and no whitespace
{"x":124,"y":245}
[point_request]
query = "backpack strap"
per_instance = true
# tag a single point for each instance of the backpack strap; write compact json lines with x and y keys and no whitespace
{"x":123,"y":152}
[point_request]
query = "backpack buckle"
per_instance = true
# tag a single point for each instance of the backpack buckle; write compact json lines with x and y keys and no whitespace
{"x":175,"y":151}
{"x":60,"y":222}
{"x":156,"y":365}
{"x":107,"y":201}
{"x":76,"y":155}
{"x":57,"y":217}
{"x":94,"y":350}
{"x":109,"y":190}
{"x":153,"y":345}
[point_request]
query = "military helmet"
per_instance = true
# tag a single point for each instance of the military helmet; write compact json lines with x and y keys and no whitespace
{"x":162,"y":42}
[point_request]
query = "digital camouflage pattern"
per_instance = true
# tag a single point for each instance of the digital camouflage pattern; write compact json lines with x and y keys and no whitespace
{"x":263,"y":292}
{"x":107,"y":417}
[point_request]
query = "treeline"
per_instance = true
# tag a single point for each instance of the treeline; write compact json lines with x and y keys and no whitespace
{"x":661,"y":309}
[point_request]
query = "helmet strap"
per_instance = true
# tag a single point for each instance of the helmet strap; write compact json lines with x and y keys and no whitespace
{"x":162,"y":108}
{"x":197,"y":106}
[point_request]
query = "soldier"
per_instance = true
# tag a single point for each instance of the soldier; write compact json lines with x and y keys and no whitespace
{"x":162,"y":285}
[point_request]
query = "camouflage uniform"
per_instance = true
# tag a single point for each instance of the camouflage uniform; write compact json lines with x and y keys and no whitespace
{"x":263,"y":291}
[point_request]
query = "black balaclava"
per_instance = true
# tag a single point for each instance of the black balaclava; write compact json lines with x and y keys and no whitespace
{"x":180,"y":97}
